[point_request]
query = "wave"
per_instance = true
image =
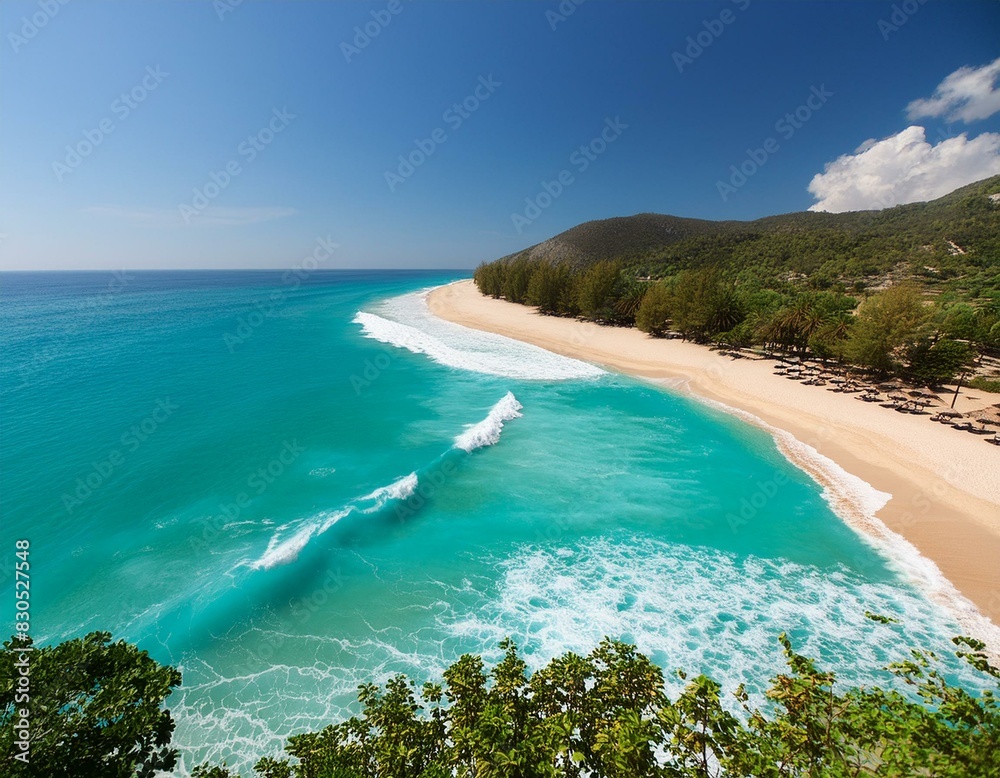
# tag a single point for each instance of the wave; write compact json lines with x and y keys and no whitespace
{"x":397,"y":490}
{"x":487,"y":432}
{"x":699,"y":609}
{"x":406,"y":322}
{"x":283,"y":550}
{"x":857,"y":502}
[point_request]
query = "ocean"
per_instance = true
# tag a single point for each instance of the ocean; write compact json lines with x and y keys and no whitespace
{"x":288,"y":484}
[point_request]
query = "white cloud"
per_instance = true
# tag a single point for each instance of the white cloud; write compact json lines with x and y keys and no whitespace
{"x":212,"y":215}
{"x":903,"y":168}
{"x":967,"y":94}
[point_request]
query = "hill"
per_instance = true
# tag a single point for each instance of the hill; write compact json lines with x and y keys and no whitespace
{"x":911,"y":291}
{"x":949,"y":243}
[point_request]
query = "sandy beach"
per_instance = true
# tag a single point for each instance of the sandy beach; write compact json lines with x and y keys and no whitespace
{"x":945,"y":484}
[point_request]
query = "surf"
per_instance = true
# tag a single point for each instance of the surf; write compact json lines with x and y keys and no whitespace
{"x":284,"y":547}
{"x":406,"y":322}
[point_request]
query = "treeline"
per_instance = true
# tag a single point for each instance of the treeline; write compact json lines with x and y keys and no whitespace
{"x":949,"y":245}
{"x":899,"y":331}
{"x":96,"y":711}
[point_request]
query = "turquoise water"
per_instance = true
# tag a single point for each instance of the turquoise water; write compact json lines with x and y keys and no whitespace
{"x":290,"y":486}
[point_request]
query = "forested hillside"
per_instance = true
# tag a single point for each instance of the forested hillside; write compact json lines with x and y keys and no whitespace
{"x":912,"y":290}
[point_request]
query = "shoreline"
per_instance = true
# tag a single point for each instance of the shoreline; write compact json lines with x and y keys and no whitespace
{"x":942,"y":515}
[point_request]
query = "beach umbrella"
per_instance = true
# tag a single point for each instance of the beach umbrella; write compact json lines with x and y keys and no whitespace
{"x":950,"y":414}
{"x":989,"y":415}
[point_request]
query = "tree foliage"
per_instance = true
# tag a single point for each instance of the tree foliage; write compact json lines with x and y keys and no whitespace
{"x":895,"y":331}
{"x":95,"y":709}
{"x":888,"y":324}
{"x":877,"y":289}
{"x":607,"y":715}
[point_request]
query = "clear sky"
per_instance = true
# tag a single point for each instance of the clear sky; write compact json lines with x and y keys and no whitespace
{"x":252,"y":134}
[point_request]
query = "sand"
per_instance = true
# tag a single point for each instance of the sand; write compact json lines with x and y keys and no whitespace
{"x":944,"y":484}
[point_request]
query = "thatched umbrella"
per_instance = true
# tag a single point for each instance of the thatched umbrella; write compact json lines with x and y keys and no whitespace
{"x":888,"y":386}
{"x":988,"y":415}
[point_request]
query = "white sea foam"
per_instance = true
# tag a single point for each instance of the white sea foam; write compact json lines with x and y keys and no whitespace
{"x":282,"y":549}
{"x":686,"y":607}
{"x":857,"y":502}
{"x":487,"y":432}
{"x":406,"y":322}
{"x":699,"y":609}
{"x":397,"y":490}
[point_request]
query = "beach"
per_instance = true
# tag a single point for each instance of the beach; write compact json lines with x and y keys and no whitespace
{"x":944,"y":483}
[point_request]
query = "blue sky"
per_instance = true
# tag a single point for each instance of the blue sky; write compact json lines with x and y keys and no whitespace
{"x":309,"y":125}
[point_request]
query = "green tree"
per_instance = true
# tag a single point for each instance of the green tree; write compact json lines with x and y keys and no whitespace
{"x":516,"y":277}
{"x":887,"y":325}
{"x":550,"y":287}
{"x":937,"y":362}
{"x":696,"y":303}
{"x":607,"y":715}
{"x":95,"y":709}
{"x":597,"y":291}
{"x":489,"y":278}
{"x":654,"y":310}
{"x":829,"y":340}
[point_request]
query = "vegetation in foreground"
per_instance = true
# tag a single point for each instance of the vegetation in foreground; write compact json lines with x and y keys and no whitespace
{"x":96,"y":710}
{"x":912,"y":291}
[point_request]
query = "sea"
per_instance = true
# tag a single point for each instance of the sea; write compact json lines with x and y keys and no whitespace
{"x":287,"y":484}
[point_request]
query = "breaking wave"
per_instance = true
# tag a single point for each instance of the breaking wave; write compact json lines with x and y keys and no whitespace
{"x":406,"y":322}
